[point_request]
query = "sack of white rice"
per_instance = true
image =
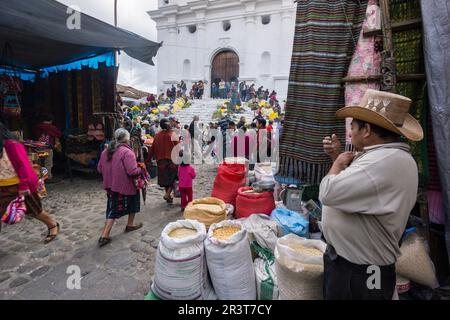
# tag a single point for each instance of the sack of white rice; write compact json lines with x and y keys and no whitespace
{"x":299,"y":268}
{"x":180,"y":267}
{"x":230,"y":261}
{"x":206,"y":211}
{"x":266,"y":280}
{"x":415,"y":263}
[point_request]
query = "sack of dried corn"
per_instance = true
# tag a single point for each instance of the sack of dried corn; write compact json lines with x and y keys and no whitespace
{"x":230,"y":261}
{"x":207,"y":211}
{"x":415,"y":263}
{"x":180,"y":267}
{"x":299,"y":268}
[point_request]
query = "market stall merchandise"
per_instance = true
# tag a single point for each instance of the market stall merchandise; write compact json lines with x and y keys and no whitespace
{"x":230,"y":261}
{"x":415,"y":263}
{"x":262,"y":230}
{"x":230,"y":177}
{"x":266,"y":280}
{"x":291,"y":222}
{"x":180,"y":267}
{"x":299,"y":268}
{"x":206,"y":211}
{"x":248,"y":202}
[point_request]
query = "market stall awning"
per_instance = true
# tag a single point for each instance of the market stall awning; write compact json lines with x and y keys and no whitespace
{"x":37,"y":33}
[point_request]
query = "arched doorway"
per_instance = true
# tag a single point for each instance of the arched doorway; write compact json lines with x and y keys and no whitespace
{"x":225,"y":66}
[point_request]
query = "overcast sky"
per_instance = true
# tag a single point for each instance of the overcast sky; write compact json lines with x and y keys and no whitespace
{"x":132,"y":16}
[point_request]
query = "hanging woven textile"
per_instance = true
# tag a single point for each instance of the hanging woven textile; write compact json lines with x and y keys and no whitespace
{"x":366,"y":61}
{"x":326,"y":34}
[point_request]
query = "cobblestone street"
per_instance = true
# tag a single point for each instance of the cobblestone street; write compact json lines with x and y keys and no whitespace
{"x":120,"y":270}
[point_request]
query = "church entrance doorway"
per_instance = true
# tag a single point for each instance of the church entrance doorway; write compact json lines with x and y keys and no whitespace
{"x":225,"y":66}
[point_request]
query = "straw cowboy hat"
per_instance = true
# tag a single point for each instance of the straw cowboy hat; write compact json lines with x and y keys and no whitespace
{"x":386,"y":110}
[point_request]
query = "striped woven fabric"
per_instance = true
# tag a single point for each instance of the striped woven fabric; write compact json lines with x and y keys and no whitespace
{"x":326,"y":34}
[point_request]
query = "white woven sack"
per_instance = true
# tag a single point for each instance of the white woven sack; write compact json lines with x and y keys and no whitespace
{"x":180,"y":267}
{"x":263,"y":230}
{"x":300,"y":276}
{"x":230,"y":264}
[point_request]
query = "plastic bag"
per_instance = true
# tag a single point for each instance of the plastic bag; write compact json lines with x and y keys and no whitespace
{"x":291,"y":222}
{"x":15,"y":211}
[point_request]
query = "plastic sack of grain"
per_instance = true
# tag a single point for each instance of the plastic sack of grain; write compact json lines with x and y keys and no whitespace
{"x":415,"y":263}
{"x":206,"y":211}
{"x":230,"y":261}
{"x":263,"y":230}
{"x":299,"y":268}
{"x":266,"y":280}
{"x":180,"y":267}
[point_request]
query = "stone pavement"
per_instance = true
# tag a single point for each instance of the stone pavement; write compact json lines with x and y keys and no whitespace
{"x":121,"y":270}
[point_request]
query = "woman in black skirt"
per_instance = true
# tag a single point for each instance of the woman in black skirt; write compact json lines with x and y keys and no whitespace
{"x":119,"y":168}
{"x":163,"y":145}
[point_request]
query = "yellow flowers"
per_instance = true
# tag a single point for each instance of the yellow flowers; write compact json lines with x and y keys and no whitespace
{"x":264,"y":104}
{"x":155,"y":111}
{"x":273,"y":115}
{"x":135,"y":109}
{"x":238,"y":107}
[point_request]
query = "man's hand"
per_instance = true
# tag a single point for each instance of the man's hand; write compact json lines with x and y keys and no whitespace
{"x":332,"y":146}
{"x":342,"y":162}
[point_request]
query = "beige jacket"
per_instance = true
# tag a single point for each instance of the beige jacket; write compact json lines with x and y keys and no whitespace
{"x":366,"y":207}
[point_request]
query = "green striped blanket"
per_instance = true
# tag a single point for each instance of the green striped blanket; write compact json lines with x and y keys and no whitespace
{"x":326,"y":34}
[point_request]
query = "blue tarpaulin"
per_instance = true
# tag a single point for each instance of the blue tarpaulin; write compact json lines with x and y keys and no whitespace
{"x":92,"y":63}
{"x":22,"y":74}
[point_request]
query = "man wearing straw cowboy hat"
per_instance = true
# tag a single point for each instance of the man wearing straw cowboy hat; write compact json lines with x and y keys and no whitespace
{"x":367,"y":198}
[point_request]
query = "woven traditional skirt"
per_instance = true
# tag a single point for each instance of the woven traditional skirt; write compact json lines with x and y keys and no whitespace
{"x":167,"y":173}
{"x":120,"y":205}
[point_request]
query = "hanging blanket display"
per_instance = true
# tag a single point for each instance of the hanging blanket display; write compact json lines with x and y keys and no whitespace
{"x":325,"y":36}
{"x":366,"y":61}
{"x":437,"y":60}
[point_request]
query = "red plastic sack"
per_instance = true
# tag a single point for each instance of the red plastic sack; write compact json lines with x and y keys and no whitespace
{"x":230,"y":177}
{"x":251,"y":203}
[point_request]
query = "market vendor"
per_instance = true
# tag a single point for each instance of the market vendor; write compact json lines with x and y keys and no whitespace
{"x":46,"y":132}
{"x":367,"y":198}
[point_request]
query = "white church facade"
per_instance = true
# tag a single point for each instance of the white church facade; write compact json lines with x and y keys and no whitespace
{"x":210,"y":40}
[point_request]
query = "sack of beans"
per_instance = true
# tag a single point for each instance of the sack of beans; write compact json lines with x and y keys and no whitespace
{"x":206,"y":211}
{"x":415,"y":263}
{"x":180,"y":267}
{"x":299,"y":268}
{"x":230,"y":261}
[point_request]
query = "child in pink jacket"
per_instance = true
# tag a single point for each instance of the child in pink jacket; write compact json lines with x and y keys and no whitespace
{"x":186,"y":173}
